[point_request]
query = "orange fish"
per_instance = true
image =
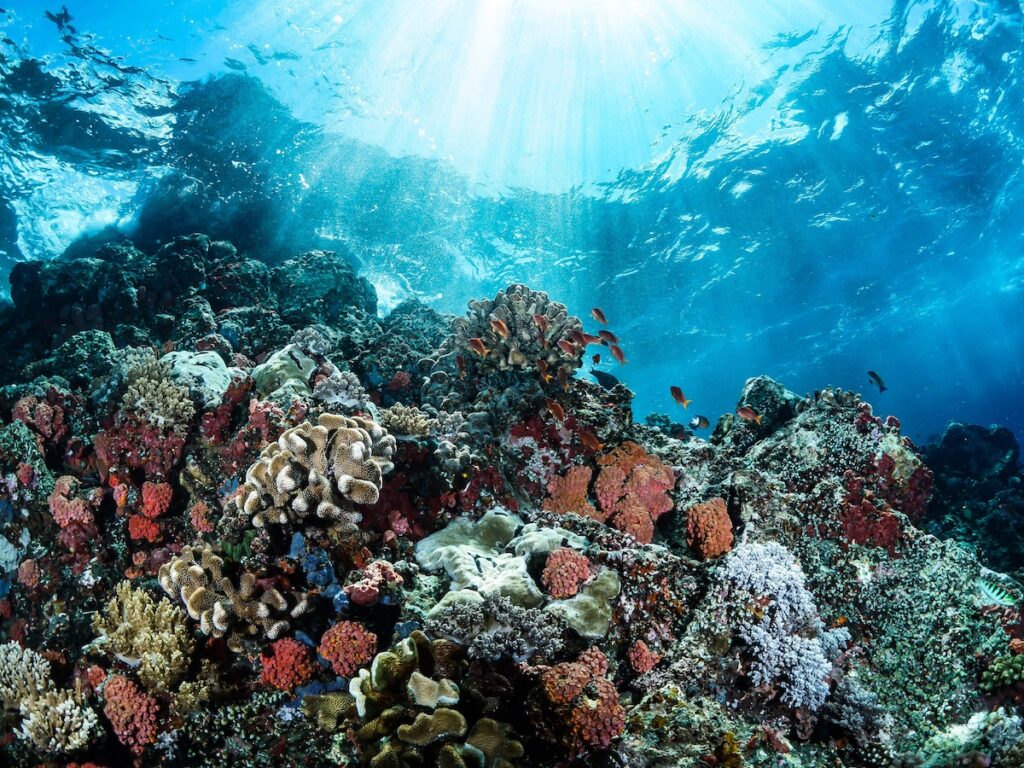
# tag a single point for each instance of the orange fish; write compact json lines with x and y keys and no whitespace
{"x":597,"y":359}
{"x":542,"y":368}
{"x":563,"y":379}
{"x":589,"y":338}
{"x":590,"y":441}
{"x":477,"y":345}
{"x":460,"y":362}
{"x":599,"y":316}
{"x":618,"y":354}
{"x":568,"y":347}
{"x":749,"y":414}
{"x":577,"y":336}
{"x":608,"y":336}
{"x":556,"y":409}
{"x":541,"y":321}
{"x":679,"y":397}
{"x":500,"y":328}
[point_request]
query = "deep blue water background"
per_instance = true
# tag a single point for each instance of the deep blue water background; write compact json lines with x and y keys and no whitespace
{"x":788,"y":190}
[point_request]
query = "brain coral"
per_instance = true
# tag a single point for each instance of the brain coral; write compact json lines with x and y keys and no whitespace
{"x":318,"y":471}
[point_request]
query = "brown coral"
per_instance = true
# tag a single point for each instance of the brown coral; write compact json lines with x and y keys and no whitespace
{"x":223,"y":609}
{"x":318,"y":471}
{"x":709,"y":529}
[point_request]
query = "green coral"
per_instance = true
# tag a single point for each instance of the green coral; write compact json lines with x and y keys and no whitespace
{"x":1003,"y":671}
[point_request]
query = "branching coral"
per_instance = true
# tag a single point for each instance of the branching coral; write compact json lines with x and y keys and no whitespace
{"x":196,"y":577}
{"x":318,"y":471}
{"x":155,"y":396}
{"x":154,"y":636}
{"x":406,"y":420}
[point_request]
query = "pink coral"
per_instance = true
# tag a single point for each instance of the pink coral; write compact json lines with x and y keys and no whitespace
{"x":200,"y":515}
{"x":29,"y":574}
{"x":641,"y":658}
{"x":347,"y":646}
{"x":584,"y":701}
{"x":132,"y":712}
{"x":565,"y":570}
{"x":66,"y":509}
{"x":599,"y":717}
{"x":44,"y":417}
{"x":377,"y":575}
{"x":156,"y":498}
{"x":709,"y":529}
{"x":287,"y":665}
{"x":632,"y":489}
{"x":569,"y":494}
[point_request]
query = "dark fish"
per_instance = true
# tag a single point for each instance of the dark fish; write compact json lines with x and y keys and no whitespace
{"x":563,"y":379}
{"x":699,"y":422}
{"x":608,"y":336}
{"x":568,"y":347}
{"x":591,"y":441}
{"x":235,"y":64}
{"x":877,"y":381}
{"x":542,"y":368}
{"x":597,"y":359}
{"x":599,"y":316}
{"x":606,"y":380}
{"x":589,"y":338}
{"x":555,"y":409}
{"x":749,"y":414}
{"x":679,"y":397}
{"x":460,"y":362}
{"x":477,"y":345}
{"x":618,"y":354}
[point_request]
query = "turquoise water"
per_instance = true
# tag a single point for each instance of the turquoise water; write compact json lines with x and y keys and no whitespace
{"x":807,"y":190}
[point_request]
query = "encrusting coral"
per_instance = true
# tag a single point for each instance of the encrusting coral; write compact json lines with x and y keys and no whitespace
{"x":223,"y":609}
{"x":152,"y":636}
{"x":318,"y":472}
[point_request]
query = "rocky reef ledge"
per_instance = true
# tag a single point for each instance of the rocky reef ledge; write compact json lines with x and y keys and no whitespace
{"x":246,"y":521}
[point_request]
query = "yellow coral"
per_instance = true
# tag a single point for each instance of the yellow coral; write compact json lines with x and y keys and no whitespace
{"x":155,"y":396}
{"x":406,"y":420}
{"x":154,"y":636}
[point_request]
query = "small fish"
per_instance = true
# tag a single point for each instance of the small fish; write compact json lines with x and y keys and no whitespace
{"x":608,"y":336}
{"x":618,"y":354}
{"x":877,"y":381}
{"x":749,"y":414}
{"x":541,"y":321}
{"x":699,"y":422}
{"x":577,"y":337}
{"x":597,"y":359}
{"x":589,"y":338}
{"x":590,"y":441}
{"x":563,"y":379}
{"x":599,"y":316}
{"x":542,"y":368}
{"x":679,"y":397}
{"x":499,"y":327}
{"x":606,"y":380}
{"x":555,"y":409}
{"x":568,"y":347}
{"x":460,"y":363}
{"x":477,"y":345}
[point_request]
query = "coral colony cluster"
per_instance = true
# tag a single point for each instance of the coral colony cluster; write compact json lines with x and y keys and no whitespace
{"x":245,"y":521}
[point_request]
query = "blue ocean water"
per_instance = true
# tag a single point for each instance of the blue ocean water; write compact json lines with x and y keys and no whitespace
{"x":807,"y":190}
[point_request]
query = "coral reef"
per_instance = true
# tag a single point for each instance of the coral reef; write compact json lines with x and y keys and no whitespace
{"x":418,"y":540}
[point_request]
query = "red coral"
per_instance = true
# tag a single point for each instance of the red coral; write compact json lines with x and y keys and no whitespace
{"x":200,"y":516}
{"x":569,"y":494}
{"x":632,"y":480}
{"x":867,"y":520}
{"x":66,"y":507}
{"x":347,"y":646}
{"x":287,"y":665}
{"x":47,"y":418}
{"x":641,"y":658}
{"x":401,"y":380}
{"x":378,"y":575}
{"x":156,"y":498}
{"x":131,"y":443}
{"x":132,"y":713}
{"x":583,"y":702}
{"x":565,"y":570}
{"x":599,"y":717}
{"x":141,"y":528}
{"x":709,"y":529}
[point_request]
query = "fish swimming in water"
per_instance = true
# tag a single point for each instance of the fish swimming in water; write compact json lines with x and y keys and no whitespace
{"x":608,"y":337}
{"x":679,"y":397}
{"x":877,"y":381}
{"x":555,"y":409}
{"x":749,"y":414}
{"x":597,"y":358}
{"x":590,"y":441}
{"x":568,"y":347}
{"x":542,"y":368}
{"x":618,"y":354}
{"x":599,"y":316}
{"x":606,"y":380}
{"x":499,"y":327}
{"x":477,"y":345}
{"x":699,"y":422}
